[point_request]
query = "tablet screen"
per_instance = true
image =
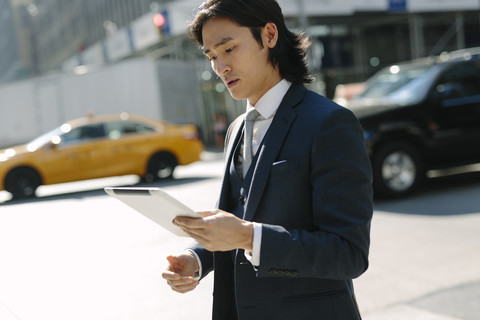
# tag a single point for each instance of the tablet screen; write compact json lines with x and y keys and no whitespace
{"x":155,"y":204}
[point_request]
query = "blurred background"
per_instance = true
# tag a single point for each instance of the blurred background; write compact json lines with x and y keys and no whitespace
{"x":72,"y":252}
{"x":62,"y":59}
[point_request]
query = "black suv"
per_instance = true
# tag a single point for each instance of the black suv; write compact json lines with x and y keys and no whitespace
{"x":419,"y":116}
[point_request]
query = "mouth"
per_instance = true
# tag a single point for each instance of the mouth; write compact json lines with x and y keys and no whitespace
{"x":231,"y":83}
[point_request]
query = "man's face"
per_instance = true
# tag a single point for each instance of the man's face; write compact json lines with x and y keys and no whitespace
{"x":238,"y":59}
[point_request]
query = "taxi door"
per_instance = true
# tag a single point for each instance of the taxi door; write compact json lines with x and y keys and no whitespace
{"x":79,"y":155}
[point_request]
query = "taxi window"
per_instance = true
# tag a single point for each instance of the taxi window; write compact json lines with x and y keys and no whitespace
{"x":118,"y":129}
{"x":83,"y":134}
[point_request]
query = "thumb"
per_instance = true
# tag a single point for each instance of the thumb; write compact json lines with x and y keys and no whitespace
{"x":172,"y":259}
{"x":174,"y":263}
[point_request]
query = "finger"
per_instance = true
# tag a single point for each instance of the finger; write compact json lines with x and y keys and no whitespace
{"x":207,"y":213}
{"x":169,"y":276}
{"x":197,"y":234}
{"x":184,"y":288}
{"x":175,"y":261}
{"x":183,"y":285}
{"x":196,"y":223}
{"x":175,"y":265}
{"x":182,"y":281}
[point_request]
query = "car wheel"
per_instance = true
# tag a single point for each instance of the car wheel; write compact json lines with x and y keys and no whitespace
{"x":22,"y":182}
{"x":160,"y":166}
{"x":397,"y":169}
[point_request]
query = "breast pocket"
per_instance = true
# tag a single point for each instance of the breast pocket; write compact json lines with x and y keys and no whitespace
{"x":287,"y":191}
{"x":285,"y":166}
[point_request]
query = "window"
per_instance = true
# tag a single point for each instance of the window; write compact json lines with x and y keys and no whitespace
{"x":84,"y":133}
{"x":460,"y":84}
{"x":466,"y":77}
{"x":120,"y":128}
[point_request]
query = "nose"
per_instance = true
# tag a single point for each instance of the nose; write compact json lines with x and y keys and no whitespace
{"x":221,"y":66}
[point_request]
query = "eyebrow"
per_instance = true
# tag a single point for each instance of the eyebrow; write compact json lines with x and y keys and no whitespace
{"x":218,"y":44}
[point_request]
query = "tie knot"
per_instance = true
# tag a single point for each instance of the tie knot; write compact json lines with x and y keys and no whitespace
{"x":252,"y":114}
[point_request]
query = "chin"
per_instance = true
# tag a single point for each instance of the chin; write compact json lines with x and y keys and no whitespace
{"x":237,"y":96}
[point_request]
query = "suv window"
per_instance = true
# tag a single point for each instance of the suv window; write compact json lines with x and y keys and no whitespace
{"x":460,"y":84}
{"x":392,"y":79}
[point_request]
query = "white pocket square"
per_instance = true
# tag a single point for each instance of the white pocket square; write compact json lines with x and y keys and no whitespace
{"x":279,"y":162}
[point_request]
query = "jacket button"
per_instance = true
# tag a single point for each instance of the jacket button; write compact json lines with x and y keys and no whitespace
{"x":241,"y":200}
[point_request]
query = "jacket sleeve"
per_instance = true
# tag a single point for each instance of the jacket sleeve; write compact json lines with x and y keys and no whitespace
{"x":336,"y":243}
{"x":206,"y":259}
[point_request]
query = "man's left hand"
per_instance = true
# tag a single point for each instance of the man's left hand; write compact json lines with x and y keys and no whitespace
{"x":218,"y":230}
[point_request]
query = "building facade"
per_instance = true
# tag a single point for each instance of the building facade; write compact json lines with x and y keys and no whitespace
{"x":48,"y":32}
{"x":8,"y":47}
{"x":351,"y":39}
{"x":354,"y":47}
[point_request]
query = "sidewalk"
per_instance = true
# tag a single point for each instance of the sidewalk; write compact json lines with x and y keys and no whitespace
{"x":457,"y":303}
{"x":212,"y":154}
{"x":424,"y":256}
{"x":423,"y":267}
{"x":6,"y":314}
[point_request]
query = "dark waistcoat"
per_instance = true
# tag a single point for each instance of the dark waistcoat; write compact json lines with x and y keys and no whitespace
{"x":224,"y":283}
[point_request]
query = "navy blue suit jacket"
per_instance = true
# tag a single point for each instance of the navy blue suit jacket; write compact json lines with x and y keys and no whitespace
{"x":311,"y":190}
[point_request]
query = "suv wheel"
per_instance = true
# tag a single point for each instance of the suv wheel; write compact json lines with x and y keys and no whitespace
{"x":397,"y":169}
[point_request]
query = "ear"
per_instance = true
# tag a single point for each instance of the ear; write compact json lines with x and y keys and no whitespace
{"x":270,"y":35}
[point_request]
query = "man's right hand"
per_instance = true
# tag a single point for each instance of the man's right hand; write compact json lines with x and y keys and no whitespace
{"x":181,"y":271}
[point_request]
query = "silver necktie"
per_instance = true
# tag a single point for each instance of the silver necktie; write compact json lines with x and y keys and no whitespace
{"x":252,"y":115}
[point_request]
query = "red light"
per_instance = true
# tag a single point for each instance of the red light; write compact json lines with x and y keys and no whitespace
{"x":159,"y":20}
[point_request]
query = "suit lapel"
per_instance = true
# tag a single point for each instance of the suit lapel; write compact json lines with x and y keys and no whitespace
{"x":235,"y":135}
{"x":237,"y":127}
{"x":273,"y":142}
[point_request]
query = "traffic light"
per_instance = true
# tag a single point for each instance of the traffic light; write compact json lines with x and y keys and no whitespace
{"x":159,"y":22}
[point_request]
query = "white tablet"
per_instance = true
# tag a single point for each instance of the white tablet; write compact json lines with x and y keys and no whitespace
{"x":154,"y":203}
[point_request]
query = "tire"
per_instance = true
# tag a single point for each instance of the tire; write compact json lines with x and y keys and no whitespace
{"x":160,"y":166}
{"x":398,"y":169}
{"x":22,"y":182}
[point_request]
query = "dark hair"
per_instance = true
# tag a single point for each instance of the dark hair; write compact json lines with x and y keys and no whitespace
{"x":291,"y":49}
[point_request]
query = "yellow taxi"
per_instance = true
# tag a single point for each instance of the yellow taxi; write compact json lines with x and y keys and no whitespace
{"x":98,"y":147}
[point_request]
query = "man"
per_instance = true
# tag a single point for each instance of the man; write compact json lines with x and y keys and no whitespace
{"x":292,"y":228}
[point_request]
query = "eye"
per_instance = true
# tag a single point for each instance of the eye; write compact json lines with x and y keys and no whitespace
{"x":211,"y":58}
{"x":229,"y":50}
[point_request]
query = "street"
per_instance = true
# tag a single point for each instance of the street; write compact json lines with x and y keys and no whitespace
{"x":76,"y":253}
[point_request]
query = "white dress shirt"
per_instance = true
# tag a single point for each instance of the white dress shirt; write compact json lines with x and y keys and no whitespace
{"x":267,"y":107}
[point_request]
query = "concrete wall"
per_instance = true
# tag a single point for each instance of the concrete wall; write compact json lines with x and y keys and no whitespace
{"x":159,"y":89}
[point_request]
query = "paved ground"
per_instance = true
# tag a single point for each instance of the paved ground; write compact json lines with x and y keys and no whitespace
{"x":433,"y":273}
{"x":75,"y":253}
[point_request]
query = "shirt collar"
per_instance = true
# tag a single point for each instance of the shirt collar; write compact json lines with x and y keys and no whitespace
{"x":270,"y":101}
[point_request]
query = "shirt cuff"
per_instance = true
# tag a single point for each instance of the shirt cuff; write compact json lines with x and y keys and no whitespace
{"x":199,"y":275}
{"x":254,"y":256}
